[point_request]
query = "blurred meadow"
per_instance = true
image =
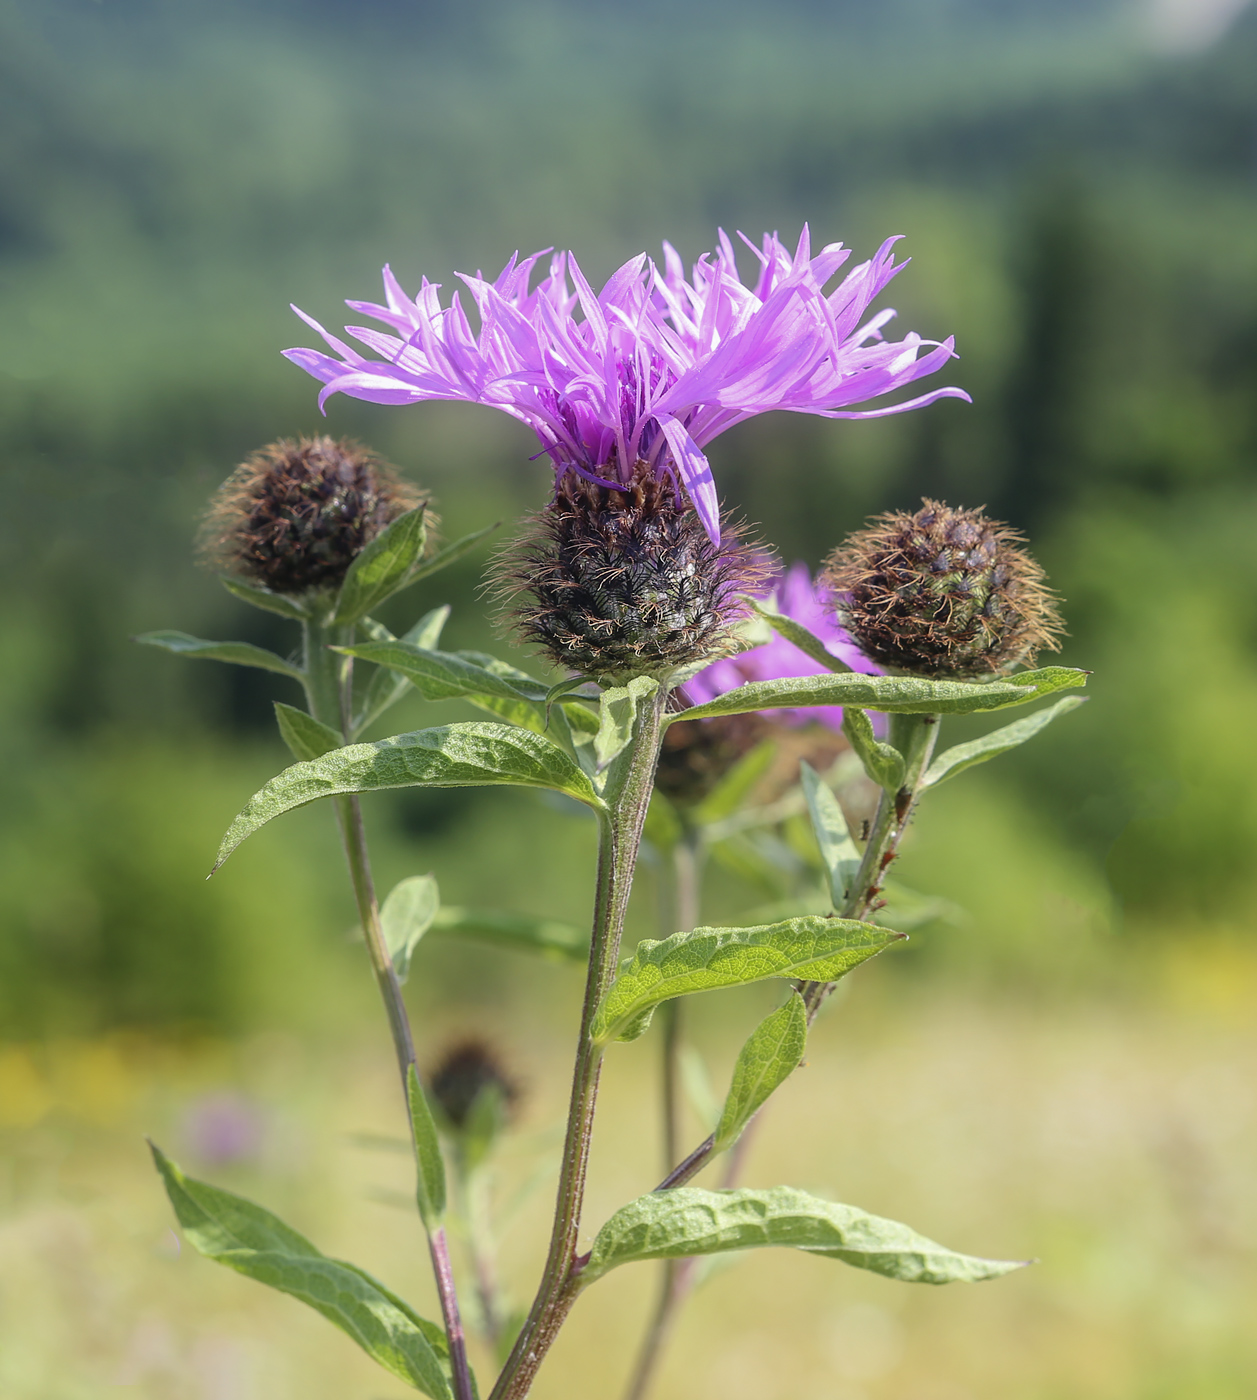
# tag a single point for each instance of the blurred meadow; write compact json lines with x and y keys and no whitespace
{"x":1064,"y":1066}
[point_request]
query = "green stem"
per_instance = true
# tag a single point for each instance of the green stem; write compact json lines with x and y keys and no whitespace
{"x":620,"y":830}
{"x":329,"y":692}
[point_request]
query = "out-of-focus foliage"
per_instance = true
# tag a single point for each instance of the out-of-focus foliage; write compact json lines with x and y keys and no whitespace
{"x":1080,"y":210}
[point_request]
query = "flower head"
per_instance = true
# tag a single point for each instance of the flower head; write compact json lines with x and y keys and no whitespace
{"x":943,"y":592}
{"x":295,"y":515}
{"x":652,"y":368}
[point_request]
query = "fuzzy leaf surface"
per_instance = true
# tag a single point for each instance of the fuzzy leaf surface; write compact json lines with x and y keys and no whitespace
{"x":405,"y":916}
{"x":263,"y":598}
{"x":807,"y":642}
{"x":452,"y":755}
{"x":811,"y":948}
{"x":961,"y":756}
{"x":839,"y":852}
{"x":883,"y":763}
{"x":769,"y":1057}
{"x":238,"y":653}
{"x":383,"y":566}
{"x":245,"y":1237}
{"x":891,"y":694}
{"x":617,"y":717}
{"x":388,"y":686}
{"x":690,"y":1221}
{"x":429,"y":1164}
{"x":305,"y":736}
{"x":521,"y":932}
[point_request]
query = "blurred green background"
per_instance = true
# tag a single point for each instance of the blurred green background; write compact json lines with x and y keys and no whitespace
{"x":1077,"y":183}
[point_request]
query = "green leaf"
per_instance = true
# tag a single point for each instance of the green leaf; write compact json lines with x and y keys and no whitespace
{"x":894,"y":694}
{"x":405,"y":916}
{"x":617,"y":717}
{"x":388,"y":686}
{"x":238,"y":653}
{"x":305,"y":736}
{"x":689,"y":1221}
{"x":961,"y":756}
{"x":663,"y":827}
{"x":767,"y":1059}
{"x":796,"y":633}
{"x":737,"y":784}
{"x":263,"y":598}
{"x":386,"y":564}
{"x":520,"y":932}
{"x":430,"y":1165}
{"x":443,"y":558}
{"x":838,"y":850}
{"x":249,"y":1239}
{"x":437,"y":675}
{"x":812,"y":948}
{"x":883,"y":763}
{"x":452,"y":755}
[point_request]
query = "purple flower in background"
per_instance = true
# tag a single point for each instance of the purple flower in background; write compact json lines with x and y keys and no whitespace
{"x":796,"y":596}
{"x":656,"y":367}
{"x":223,"y":1127}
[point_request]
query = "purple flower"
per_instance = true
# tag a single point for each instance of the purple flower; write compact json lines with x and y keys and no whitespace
{"x":656,"y":366}
{"x":796,"y":596}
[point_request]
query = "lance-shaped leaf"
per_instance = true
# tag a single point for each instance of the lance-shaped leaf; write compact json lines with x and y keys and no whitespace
{"x":892,"y":694}
{"x":838,"y":850}
{"x":883,"y":763}
{"x":443,"y":558}
{"x":382,"y":567}
{"x":429,"y":1164}
{"x":767,"y":1059}
{"x":405,"y":916}
{"x":961,"y":756}
{"x":617,"y":717}
{"x":238,"y":653}
{"x":305,"y":736}
{"x":452,"y":755}
{"x":437,"y":675}
{"x":807,"y":642}
{"x":256,"y":1243}
{"x":263,"y":598}
{"x":811,"y":948}
{"x":689,"y":1221}
{"x":520,"y":932}
{"x":737,"y":784}
{"x":388,"y":686}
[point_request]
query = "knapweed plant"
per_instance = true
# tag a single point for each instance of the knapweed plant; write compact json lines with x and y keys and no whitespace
{"x":689,"y":663}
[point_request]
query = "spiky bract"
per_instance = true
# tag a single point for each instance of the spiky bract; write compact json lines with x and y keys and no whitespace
{"x":296,"y":514}
{"x":626,"y":581}
{"x":943,"y":592}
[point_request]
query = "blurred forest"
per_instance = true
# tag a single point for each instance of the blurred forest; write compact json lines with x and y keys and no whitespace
{"x":1077,"y":181}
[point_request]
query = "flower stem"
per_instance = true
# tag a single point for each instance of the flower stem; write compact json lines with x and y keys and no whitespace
{"x":620,"y":830}
{"x":329,"y":679}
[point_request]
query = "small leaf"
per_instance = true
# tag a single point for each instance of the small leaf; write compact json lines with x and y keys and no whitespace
{"x":263,"y":598}
{"x":767,"y":1059}
{"x":807,"y":642}
{"x":617,"y":717}
{"x":430,"y":1165}
{"x":385,"y":565}
{"x":443,"y":558}
{"x":249,"y":1239}
{"x":238,"y":653}
{"x":437,"y":675}
{"x":893,"y":694}
{"x":838,"y":850}
{"x":305,"y":736}
{"x":521,"y":932}
{"x":736,"y":785}
{"x":688,"y":1221}
{"x":452,"y":755}
{"x":405,"y":916}
{"x":883,"y":763}
{"x":812,"y":949}
{"x":387,"y":686}
{"x":961,"y":756}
